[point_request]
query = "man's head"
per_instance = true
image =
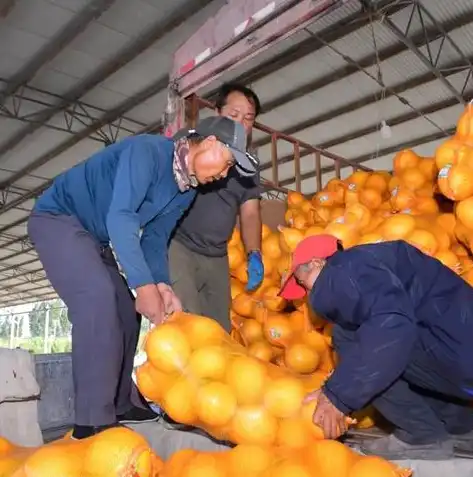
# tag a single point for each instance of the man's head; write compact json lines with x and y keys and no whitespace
{"x":308,"y":259}
{"x":239,"y":103}
{"x":215,"y":145}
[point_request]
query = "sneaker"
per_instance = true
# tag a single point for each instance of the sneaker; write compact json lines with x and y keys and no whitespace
{"x":83,"y":432}
{"x":391,"y":448}
{"x":137,"y":415}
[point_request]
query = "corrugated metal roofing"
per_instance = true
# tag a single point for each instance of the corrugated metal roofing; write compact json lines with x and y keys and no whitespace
{"x":117,"y":62}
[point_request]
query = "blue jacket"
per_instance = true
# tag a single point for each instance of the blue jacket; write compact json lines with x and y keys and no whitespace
{"x":120,"y":190}
{"x":391,"y":299}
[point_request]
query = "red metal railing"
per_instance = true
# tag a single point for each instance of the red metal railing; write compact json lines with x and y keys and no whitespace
{"x":197,"y":103}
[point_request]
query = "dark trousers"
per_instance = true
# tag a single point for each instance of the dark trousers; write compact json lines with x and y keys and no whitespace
{"x":105,"y":325}
{"x":202,"y":283}
{"x":426,"y":403}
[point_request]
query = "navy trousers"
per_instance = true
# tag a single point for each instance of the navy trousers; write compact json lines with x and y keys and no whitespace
{"x":426,"y":403}
{"x":105,"y":325}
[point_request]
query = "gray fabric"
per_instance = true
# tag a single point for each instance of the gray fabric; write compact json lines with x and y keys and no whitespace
{"x":101,"y":309}
{"x":202,"y":283}
{"x":208,"y":224}
{"x":392,"y":448}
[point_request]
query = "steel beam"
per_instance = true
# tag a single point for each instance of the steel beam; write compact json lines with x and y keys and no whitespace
{"x":378,"y":153}
{"x":246,"y":36}
{"x":75,"y":117}
{"x":372,"y":128}
{"x":58,"y":42}
{"x":123,"y":57}
{"x":423,"y":38}
{"x":330,"y":34}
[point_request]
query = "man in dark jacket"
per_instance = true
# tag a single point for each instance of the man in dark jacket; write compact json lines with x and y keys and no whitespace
{"x":198,"y":252}
{"x":130,"y":195}
{"x":403,"y":330}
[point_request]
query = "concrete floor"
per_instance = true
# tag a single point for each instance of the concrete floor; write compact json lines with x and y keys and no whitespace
{"x":166,"y":441}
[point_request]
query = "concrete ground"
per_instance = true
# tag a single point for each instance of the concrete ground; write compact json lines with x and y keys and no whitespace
{"x":166,"y":440}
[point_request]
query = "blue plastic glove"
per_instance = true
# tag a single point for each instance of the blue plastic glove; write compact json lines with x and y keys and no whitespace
{"x":255,"y":270}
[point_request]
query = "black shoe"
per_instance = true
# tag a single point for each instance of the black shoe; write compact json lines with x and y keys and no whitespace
{"x":137,"y":415}
{"x":82,"y":432}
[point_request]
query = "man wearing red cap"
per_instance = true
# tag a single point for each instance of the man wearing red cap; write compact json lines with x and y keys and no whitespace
{"x":403,"y":330}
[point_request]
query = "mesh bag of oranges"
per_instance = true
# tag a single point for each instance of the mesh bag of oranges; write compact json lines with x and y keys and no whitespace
{"x":117,"y":452}
{"x":201,"y":377}
{"x":320,"y":459}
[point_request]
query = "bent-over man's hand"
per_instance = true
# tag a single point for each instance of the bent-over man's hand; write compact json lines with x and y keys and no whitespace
{"x":171,"y":302}
{"x":332,"y":421}
{"x":149,"y":303}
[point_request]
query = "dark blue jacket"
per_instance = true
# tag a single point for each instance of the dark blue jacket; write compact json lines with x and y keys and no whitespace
{"x":120,"y":190}
{"x":389,"y":298}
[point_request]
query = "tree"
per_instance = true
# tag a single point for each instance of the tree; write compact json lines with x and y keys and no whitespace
{"x":58,"y":321}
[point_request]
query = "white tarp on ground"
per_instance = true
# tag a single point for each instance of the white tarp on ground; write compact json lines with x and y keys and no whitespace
{"x":19,"y":392}
{"x":165,"y":441}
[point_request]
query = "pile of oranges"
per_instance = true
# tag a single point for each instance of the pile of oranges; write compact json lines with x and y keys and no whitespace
{"x":122,"y":452}
{"x":118,"y":452}
{"x":321,"y":459}
{"x":426,"y":201}
{"x":203,"y":378}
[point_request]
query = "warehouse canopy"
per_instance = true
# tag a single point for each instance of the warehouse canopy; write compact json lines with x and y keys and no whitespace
{"x":360,"y":79}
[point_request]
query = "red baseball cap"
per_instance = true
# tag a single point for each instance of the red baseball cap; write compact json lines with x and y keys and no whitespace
{"x":317,"y":246}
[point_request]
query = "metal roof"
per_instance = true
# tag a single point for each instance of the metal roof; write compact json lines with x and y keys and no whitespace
{"x":75,"y":74}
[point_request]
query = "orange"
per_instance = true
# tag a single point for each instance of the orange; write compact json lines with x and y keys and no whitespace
{"x":357,"y":180}
{"x":248,"y":378}
{"x":215,"y":404}
{"x":111,"y":452}
{"x":428,"y":167}
{"x":265,"y":231}
{"x":301,"y":358}
{"x":284,"y":396}
{"x":240,"y":273}
{"x":427,"y":205}
{"x":289,"y":238}
{"x":464,"y":212}
{"x":456,"y":181}
{"x":249,"y":460}
{"x":269,"y":265}
{"x":175,"y":464}
{"x":402,"y":199}
{"x":235,"y":239}
{"x":378,"y":181}
{"x":397,"y":227}
{"x":270,"y":246}
{"x":406,"y":159}
{"x":204,"y":464}
{"x":345,"y":233}
{"x":293,"y":433}
{"x":179,"y":401}
{"x":449,"y":259}
{"x":244,"y":305}
{"x":358,"y":215}
{"x":251,"y":331}
{"x":294,"y":199}
{"x":300,"y":221}
{"x":236,"y":257}
{"x":236,"y":287}
{"x":261,"y":350}
{"x":209,"y":362}
{"x":291,"y":468}
{"x":278,"y":330}
{"x":329,"y":457}
{"x":465,"y":125}
{"x":313,"y":230}
{"x":307,"y":415}
{"x":413,"y":178}
{"x":370,"y":198}
{"x":271,"y":299}
{"x":152,"y":382}
{"x":372,"y":237}
{"x":168,"y":348}
{"x":423,"y":240}
{"x":253,"y":425}
{"x":203,"y":331}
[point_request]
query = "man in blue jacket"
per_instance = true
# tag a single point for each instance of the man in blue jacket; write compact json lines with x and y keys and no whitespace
{"x":130,"y":195}
{"x":403,"y":330}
